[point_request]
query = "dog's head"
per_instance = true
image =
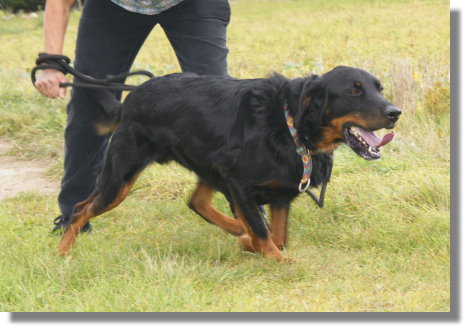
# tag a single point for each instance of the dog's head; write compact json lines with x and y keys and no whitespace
{"x":345,"y":105}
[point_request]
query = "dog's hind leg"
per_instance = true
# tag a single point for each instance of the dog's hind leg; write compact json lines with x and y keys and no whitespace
{"x":200,"y":202}
{"x":123,"y":163}
{"x":92,"y":207}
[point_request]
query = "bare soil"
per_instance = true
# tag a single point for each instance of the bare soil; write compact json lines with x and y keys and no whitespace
{"x":18,"y":176}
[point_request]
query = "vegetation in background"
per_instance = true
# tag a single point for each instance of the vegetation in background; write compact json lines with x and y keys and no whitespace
{"x":24,"y":5}
{"x":380,"y":244}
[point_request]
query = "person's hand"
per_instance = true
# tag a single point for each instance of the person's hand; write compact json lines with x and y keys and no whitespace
{"x":48,"y":83}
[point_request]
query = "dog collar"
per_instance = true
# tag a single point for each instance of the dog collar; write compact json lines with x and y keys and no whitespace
{"x":301,"y":150}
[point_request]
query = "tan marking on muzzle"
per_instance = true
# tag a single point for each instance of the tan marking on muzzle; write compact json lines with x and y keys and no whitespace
{"x":333,"y":133}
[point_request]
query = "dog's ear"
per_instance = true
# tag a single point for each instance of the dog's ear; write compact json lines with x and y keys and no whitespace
{"x":311,"y":102}
{"x":309,"y":116}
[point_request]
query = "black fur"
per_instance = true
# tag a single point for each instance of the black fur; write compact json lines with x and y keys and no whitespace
{"x":233,"y":134}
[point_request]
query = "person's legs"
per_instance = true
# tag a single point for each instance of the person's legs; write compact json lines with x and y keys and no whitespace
{"x":108,"y":41}
{"x":197,"y":32}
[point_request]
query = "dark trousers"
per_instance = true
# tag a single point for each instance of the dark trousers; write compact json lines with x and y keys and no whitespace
{"x":108,"y":40}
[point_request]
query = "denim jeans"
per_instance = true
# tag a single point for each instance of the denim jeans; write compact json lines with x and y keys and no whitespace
{"x":109,"y":38}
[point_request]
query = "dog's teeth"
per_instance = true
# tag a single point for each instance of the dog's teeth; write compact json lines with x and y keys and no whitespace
{"x":373,"y":150}
{"x":352,"y":129}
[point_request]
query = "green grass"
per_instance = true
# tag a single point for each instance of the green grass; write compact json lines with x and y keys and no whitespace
{"x":380,"y":244}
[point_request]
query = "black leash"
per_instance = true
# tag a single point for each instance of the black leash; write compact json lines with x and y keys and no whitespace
{"x":321,"y":200}
{"x":62,"y":63}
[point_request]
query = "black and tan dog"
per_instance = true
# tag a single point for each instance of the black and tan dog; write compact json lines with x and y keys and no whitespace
{"x":235,"y":136}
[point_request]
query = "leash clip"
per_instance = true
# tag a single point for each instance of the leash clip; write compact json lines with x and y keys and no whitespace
{"x":304,"y":187}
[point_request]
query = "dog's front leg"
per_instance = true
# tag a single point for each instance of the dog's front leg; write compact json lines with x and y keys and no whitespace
{"x":279,"y":215}
{"x":257,"y":236}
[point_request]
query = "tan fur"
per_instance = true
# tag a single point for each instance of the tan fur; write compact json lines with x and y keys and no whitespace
{"x":201,"y":203}
{"x":333,"y":132}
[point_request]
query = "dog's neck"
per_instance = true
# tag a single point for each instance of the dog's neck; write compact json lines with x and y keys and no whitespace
{"x":303,"y":152}
{"x":308,"y":132}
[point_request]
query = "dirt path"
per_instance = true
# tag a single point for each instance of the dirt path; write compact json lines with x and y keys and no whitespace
{"x":18,"y":176}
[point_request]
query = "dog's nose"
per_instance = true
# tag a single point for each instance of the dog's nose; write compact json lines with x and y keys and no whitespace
{"x":392,"y":113}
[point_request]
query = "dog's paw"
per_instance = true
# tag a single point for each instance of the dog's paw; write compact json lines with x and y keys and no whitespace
{"x":246,"y":243}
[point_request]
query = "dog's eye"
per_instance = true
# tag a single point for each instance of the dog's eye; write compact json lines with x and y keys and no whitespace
{"x":354,"y":92}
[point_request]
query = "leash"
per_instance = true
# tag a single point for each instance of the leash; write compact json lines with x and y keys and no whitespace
{"x":306,"y":157}
{"x":62,"y":63}
{"x":321,"y":200}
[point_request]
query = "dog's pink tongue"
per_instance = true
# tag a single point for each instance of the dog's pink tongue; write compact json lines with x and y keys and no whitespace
{"x":374,"y":140}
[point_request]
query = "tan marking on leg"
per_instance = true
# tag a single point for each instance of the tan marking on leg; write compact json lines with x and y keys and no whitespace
{"x":123,"y":193}
{"x":279,"y":217}
{"x":246,"y":243}
{"x":200,"y":202}
{"x":263,"y":246}
{"x":79,"y":219}
{"x":87,"y":210}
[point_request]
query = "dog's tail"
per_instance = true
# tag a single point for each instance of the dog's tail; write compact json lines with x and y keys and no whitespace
{"x":110,"y":111}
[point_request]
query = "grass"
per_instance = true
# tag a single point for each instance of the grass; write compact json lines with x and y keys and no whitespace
{"x":380,"y":244}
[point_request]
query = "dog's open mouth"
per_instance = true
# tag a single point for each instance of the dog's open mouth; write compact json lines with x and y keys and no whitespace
{"x":365,"y":143}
